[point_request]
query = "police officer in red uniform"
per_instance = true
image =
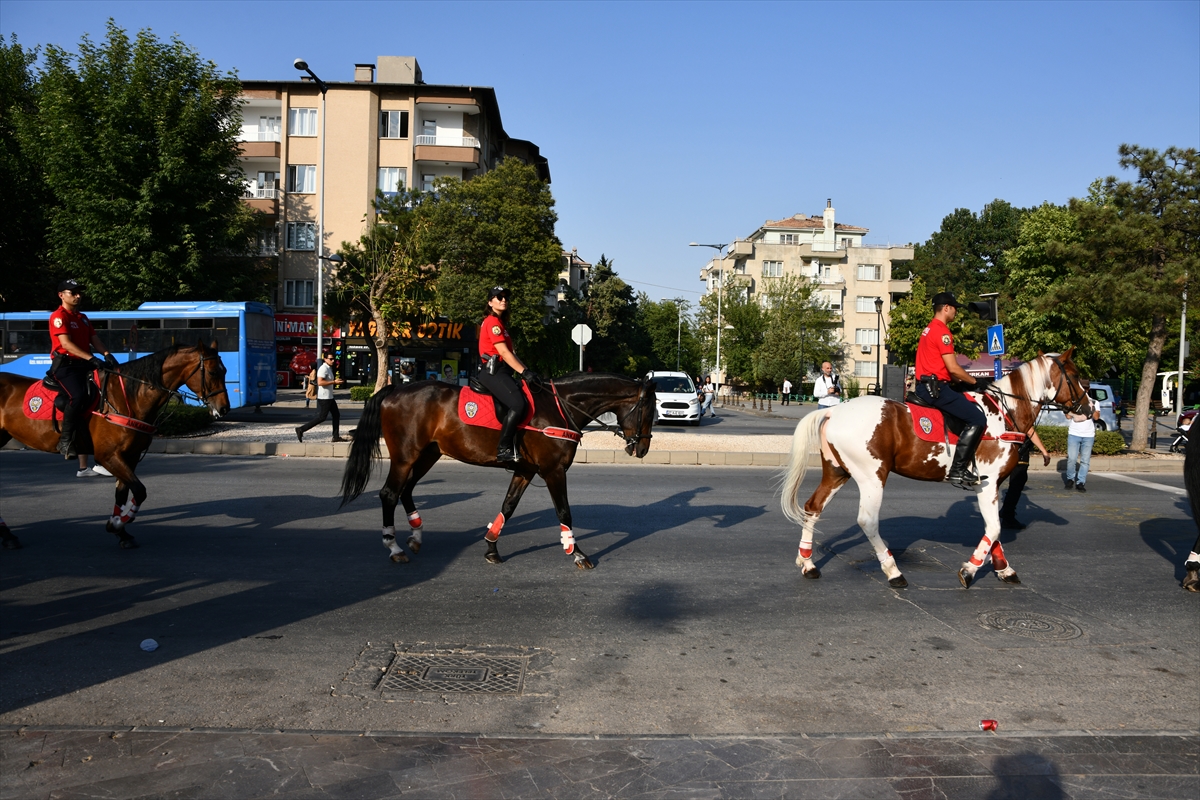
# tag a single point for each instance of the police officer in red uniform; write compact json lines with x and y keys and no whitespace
{"x":498,"y":365}
{"x":936,"y":364}
{"x":72,"y":339}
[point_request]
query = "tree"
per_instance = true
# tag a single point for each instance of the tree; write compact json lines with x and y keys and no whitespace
{"x":618,"y":344}
{"x":667,"y":326}
{"x":138,"y":142}
{"x":800,"y":332}
{"x":967,"y":254}
{"x":28,"y":281}
{"x":743,"y":325}
{"x":386,"y":281}
{"x":496,"y":230}
{"x":1138,"y":251}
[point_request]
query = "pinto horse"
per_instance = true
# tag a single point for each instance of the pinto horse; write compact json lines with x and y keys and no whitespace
{"x":122,"y":429}
{"x":870,"y":437}
{"x":420,"y":423}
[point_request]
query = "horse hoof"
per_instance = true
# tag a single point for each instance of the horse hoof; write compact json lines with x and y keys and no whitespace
{"x":1191,"y":581}
{"x":584,"y":563}
{"x":414,"y":545}
{"x":897,"y":582}
{"x":13,"y":543}
{"x":494,"y":558}
{"x":1011,"y":578}
{"x":399,"y":558}
{"x":965,"y":578}
{"x":108,"y":526}
{"x":812,"y":574}
{"x":128,"y":543}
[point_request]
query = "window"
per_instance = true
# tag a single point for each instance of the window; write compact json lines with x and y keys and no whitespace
{"x":865,"y":369}
{"x":429,"y":128}
{"x":393,"y":124}
{"x":391,"y":179}
{"x":789,"y":238}
{"x":298,"y":293}
{"x":301,"y":236}
{"x":268,"y":129}
{"x":870,"y":272}
{"x":267,"y":241}
{"x":833,"y":298}
{"x":427,"y":182}
{"x":772,"y":269}
{"x":865,"y":305}
{"x":866,"y":336}
{"x":302,"y":122}
{"x":302,"y":178}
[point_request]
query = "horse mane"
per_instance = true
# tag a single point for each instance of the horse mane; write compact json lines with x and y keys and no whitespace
{"x":574,"y":379}
{"x":150,"y":368}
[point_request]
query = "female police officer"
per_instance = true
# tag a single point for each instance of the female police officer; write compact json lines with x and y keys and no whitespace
{"x":499,"y":363}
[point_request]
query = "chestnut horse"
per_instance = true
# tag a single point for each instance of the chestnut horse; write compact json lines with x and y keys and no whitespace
{"x":420,"y":423}
{"x":1191,"y":482}
{"x":135,"y":391}
{"x":870,"y":437}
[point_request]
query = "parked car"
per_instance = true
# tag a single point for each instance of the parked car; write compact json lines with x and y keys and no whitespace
{"x":1102,"y":398}
{"x":676,"y":397}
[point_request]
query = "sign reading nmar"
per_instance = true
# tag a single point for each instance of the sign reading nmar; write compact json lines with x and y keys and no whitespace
{"x":995,"y":337}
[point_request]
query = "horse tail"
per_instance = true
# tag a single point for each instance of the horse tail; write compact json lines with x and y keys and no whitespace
{"x":804,"y":442}
{"x":365,"y":448}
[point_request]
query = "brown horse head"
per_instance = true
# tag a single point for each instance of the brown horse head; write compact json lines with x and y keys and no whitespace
{"x":200,"y":369}
{"x":1070,"y":388}
{"x":637,"y":420}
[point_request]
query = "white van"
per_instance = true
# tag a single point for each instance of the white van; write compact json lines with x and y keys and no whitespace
{"x":676,"y":397}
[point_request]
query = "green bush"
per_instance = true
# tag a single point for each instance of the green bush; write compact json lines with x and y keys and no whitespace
{"x":178,"y":419}
{"x":361,"y":394}
{"x":1055,"y":439}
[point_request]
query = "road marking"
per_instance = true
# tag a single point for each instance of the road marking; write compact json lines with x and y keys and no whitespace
{"x":1162,"y":487}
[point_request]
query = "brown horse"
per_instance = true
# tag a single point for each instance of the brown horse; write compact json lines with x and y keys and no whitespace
{"x":870,"y":437}
{"x":420,"y":423}
{"x":132,"y":394}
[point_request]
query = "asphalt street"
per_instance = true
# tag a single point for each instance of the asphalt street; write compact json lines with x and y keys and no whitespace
{"x":274,"y":610}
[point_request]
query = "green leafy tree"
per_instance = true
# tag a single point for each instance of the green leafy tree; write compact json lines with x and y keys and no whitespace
{"x":618,"y":344}
{"x":496,"y":230}
{"x":743,"y":326}
{"x":29,"y":282}
{"x":138,"y":143}
{"x":1138,"y":250}
{"x":967,"y":254}
{"x":908,"y":320}
{"x":386,"y":280}
{"x":801,"y":331}
{"x":667,"y":325}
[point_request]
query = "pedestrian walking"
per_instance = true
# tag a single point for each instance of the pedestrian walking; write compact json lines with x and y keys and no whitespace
{"x":787,"y":392}
{"x":1017,"y":480}
{"x":710,"y":392}
{"x":1081,"y":435}
{"x":326,"y":405}
{"x":90,"y":472}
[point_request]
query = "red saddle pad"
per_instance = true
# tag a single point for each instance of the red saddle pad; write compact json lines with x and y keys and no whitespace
{"x":39,"y":402}
{"x":929,"y":424}
{"x":480,"y":409}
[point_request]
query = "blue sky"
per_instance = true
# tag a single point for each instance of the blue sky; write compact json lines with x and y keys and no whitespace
{"x":666,"y":123}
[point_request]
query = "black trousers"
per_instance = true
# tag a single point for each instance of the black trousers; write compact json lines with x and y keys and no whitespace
{"x":1016,"y":482}
{"x":504,"y":388}
{"x":72,"y":376}
{"x":324,"y":409}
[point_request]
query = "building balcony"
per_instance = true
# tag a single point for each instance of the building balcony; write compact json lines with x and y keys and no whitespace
{"x":267,"y":149}
{"x":460,"y":150}
{"x":264,"y":199}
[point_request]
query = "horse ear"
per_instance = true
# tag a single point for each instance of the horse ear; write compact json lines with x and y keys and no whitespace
{"x":1040,"y":353}
{"x":1069,"y":354}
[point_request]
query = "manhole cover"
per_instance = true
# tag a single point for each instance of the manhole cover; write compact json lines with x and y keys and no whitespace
{"x":454,"y":673}
{"x":1031,"y":625}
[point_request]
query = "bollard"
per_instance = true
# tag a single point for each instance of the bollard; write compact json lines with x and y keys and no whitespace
{"x":768,"y":403}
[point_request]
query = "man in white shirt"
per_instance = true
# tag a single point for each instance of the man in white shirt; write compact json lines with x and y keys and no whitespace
{"x":827,"y":389}
{"x":787,"y":390}
{"x":710,"y":392}
{"x":326,"y":405}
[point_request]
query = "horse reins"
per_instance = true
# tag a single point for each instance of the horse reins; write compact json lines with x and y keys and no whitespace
{"x":125,"y":421}
{"x":616,"y":430}
{"x":998,"y":396}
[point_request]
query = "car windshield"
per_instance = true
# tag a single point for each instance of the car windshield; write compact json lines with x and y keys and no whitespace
{"x":664,"y":384}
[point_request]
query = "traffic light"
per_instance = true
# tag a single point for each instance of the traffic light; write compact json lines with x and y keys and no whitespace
{"x":986,"y":309}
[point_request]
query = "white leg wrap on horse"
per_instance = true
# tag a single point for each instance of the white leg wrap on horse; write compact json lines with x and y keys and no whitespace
{"x":389,"y":540}
{"x":804,"y":555}
{"x":888,"y":563}
{"x":1193,"y":557}
{"x":124,"y":515}
{"x":980,"y":556}
{"x":567,"y":538}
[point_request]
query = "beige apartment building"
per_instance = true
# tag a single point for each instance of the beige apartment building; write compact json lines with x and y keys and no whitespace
{"x":850,"y":275}
{"x":386,"y":130}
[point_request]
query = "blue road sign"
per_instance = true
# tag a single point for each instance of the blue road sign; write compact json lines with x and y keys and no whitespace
{"x":996,"y":340}
{"x":997,"y":369}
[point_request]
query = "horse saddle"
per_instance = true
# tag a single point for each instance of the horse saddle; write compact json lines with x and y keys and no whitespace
{"x":44,"y":400}
{"x":477,"y":406}
{"x":931,"y":424}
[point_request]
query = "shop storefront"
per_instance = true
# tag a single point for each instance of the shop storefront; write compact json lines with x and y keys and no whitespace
{"x":296,"y":347}
{"x":439,"y":350}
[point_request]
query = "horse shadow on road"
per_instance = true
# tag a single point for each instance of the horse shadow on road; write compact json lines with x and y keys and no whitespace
{"x":1169,"y":538}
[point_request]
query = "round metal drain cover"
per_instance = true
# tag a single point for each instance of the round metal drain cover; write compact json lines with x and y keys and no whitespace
{"x":1031,"y":625}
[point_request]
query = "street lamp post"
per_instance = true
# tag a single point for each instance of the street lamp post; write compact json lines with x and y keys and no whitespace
{"x":879,"y":346}
{"x":678,"y":330}
{"x":720,"y":248}
{"x":302,"y":65}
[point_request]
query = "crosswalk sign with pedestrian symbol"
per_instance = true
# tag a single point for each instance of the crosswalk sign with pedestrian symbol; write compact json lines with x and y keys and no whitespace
{"x":995,"y":338}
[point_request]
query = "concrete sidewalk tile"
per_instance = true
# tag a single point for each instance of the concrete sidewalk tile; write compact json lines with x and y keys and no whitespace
{"x":291,"y":449}
{"x":712,"y":458}
{"x":684,"y":457}
{"x":745,"y":459}
{"x":341,"y":450}
{"x":319,"y":450}
{"x":600,"y":456}
{"x":654,"y":457}
{"x":210,"y":448}
{"x":178,"y":446}
{"x":768,"y":459}
{"x":157,"y":446}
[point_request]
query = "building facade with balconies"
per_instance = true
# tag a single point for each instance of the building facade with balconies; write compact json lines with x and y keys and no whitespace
{"x":849,"y":276}
{"x":387,"y":130}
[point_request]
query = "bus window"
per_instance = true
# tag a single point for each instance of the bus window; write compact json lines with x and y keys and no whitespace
{"x":20,"y":343}
{"x":260,"y":330}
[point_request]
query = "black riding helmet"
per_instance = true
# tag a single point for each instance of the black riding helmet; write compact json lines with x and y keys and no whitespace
{"x":498,"y":291}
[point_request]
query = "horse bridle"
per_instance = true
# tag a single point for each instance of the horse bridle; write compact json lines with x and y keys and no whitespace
{"x":204,"y":395}
{"x":1076,"y":400}
{"x":618,"y":429}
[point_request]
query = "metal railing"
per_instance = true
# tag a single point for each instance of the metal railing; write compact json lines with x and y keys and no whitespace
{"x":259,"y":136}
{"x":448,"y":141}
{"x":260,"y":192}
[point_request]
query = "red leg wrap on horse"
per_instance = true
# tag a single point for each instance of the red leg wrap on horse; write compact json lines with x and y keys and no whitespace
{"x":998,"y":559}
{"x":567,"y":538}
{"x":414,"y":519}
{"x":805,"y":552}
{"x":493,"y":530}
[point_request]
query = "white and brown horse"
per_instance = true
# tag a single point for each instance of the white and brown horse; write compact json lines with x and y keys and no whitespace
{"x":870,"y":437}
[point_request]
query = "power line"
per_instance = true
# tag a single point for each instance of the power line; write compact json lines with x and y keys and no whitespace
{"x":660,"y":286}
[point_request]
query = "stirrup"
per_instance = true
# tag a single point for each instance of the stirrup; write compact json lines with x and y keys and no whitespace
{"x":964,"y":481}
{"x":508,"y":455}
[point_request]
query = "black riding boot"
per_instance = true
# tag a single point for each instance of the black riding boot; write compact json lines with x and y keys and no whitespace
{"x":964,"y":454}
{"x":66,"y":439}
{"x":505,"y":453}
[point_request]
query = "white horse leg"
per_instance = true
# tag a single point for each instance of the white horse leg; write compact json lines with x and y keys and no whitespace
{"x":395,"y":551}
{"x":870,"y":498}
{"x":832,"y":480}
{"x":414,"y":538}
{"x":989,"y":545}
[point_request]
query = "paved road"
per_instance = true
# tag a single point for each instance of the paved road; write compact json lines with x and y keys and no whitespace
{"x":274,"y":611}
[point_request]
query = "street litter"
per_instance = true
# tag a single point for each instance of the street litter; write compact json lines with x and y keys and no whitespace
{"x":987,"y":725}
{"x":149,"y":645}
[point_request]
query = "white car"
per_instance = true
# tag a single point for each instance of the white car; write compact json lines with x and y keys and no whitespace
{"x":675,"y":396}
{"x":1102,"y":398}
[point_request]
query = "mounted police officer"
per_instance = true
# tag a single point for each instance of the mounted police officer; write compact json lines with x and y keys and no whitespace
{"x":499,"y":363}
{"x":936,"y":364}
{"x":72,"y":339}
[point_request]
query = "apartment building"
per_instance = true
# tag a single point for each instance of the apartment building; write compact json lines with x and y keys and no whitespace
{"x":386,"y":130}
{"x":575,"y":273}
{"x":850,"y":275}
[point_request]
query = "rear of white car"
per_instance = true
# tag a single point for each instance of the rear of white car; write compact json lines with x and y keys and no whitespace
{"x":675,"y":396}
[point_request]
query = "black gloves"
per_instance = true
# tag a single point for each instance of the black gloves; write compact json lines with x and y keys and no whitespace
{"x":982,"y":383}
{"x":98,"y":363}
{"x":531,"y":378}
{"x":111,"y":360}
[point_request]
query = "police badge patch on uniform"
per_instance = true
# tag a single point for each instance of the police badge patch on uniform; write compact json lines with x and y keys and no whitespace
{"x":58,"y":322}
{"x":495,"y":330}
{"x":472,"y":409}
{"x":945,"y":338}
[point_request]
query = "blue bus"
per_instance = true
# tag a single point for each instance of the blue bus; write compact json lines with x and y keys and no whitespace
{"x":244,"y":333}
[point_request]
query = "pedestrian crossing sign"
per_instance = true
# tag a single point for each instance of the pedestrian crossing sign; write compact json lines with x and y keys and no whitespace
{"x":995,"y":338}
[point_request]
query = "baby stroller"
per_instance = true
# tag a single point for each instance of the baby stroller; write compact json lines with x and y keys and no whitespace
{"x":1179,"y":445}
